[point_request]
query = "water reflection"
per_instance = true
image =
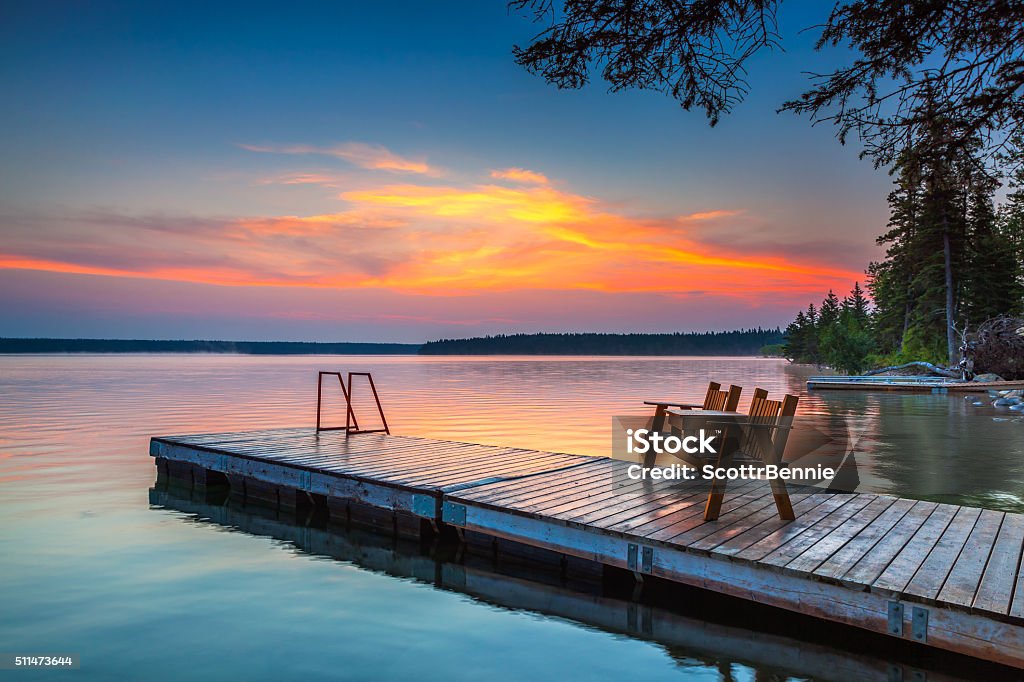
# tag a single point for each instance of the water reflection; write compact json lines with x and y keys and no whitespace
{"x":84,"y":564}
{"x":704,"y":635}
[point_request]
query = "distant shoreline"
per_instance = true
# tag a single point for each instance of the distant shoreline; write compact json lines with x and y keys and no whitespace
{"x":745,"y":342}
{"x":119,"y":346}
{"x":740,"y":342}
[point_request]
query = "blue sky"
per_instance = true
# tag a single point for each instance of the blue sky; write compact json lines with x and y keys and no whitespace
{"x":119,"y":117}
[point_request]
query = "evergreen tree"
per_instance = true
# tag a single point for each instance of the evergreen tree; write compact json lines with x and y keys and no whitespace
{"x":812,"y":353}
{"x":857,"y":304}
{"x":828,"y":314}
{"x":795,"y":347}
{"x":1010,"y":227}
{"x":848,"y":343}
{"x":992,"y":282}
{"x":940,"y":242}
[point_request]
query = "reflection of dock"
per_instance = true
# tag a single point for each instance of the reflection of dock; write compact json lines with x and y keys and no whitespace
{"x":912,"y":384}
{"x":940,"y":575}
{"x":686,"y":631}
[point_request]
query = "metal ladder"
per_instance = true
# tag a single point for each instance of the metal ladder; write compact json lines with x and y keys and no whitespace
{"x":351,"y":424}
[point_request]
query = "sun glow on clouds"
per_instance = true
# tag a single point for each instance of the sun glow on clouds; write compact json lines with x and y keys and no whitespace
{"x":426,"y":239}
{"x":370,"y":156}
{"x":520,"y":175}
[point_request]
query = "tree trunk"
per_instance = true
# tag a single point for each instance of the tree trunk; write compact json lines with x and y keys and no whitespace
{"x":950,"y":313}
{"x":941,"y":371}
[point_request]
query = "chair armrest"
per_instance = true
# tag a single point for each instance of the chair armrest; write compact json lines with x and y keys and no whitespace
{"x":666,"y":403}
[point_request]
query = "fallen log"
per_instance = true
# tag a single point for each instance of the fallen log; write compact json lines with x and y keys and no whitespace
{"x":934,"y":369}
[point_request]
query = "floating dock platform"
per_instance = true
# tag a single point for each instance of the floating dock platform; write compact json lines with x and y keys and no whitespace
{"x":937,"y":575}
{"x":912,"y":384}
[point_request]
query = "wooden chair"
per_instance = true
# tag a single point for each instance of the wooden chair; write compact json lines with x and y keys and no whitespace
{"x":714,"y":399}
{"x":759,"y":438}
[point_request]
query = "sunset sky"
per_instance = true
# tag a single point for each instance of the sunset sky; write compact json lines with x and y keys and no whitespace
{"x":384,"y":171}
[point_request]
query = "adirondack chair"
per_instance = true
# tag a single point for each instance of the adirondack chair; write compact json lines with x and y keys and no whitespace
{"x":759,"y":438}
{"x":714,"y":399}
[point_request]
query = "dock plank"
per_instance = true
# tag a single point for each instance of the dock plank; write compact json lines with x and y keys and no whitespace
{"x":863,"y":542}
{"x":932,"y":573}
{"x":876,"y":560}
{"x":775,"y":531}
{"x":901,"y":569}
{"x":995,"y":593}
{"x":964,"y":578}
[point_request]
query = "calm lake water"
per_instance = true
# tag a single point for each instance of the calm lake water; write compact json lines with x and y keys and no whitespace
{"x":149,"y":587}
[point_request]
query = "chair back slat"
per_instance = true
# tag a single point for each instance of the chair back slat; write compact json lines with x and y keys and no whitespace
{"x":713,"y":388}
{"x":732,"y":401}
{"x":759,"y":443}
{"x":715,"y":400}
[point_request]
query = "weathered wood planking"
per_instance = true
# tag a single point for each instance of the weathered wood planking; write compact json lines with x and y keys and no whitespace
{"x":396,"y":473}
{"x":953,"y":573}
{"x":846,"y":558}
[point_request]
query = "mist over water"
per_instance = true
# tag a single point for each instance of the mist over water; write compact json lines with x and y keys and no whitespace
{"x":87,"y":566}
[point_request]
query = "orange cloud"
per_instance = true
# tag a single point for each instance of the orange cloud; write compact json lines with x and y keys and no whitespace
{"x":371,"y":156}
{"x":520,"y":175}
{"x":428,"y":239}
{"x":302,"y":179}
{"x":709,"y":215}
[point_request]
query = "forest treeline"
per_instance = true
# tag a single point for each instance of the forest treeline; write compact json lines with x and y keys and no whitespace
{"x":739,"y":342}
{"x":931,"y":91}
{"x":954,"y":260}
{"x":242,"y":347}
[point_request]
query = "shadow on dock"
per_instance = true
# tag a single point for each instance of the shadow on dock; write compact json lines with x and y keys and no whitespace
{"x":698,"y":628}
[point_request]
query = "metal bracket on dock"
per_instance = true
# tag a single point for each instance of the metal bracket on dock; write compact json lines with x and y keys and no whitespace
{"x":919,"y":624}
{"x":452,"y":513}
{"x":639,"y":559}
{"x":425,"y":506}
{"x":896,"y":618}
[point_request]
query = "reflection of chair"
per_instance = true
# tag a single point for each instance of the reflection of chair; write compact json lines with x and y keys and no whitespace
{"x":758,"y":439}
{"x":714,"y":399}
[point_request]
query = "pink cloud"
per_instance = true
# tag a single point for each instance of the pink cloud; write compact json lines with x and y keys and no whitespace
{"x":520,"y":175}
{"x":370,"y":156}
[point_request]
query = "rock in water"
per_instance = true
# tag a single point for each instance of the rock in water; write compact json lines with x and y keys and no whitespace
{"x":988,"y":377}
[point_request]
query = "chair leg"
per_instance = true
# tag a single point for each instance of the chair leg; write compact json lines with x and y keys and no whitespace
{"x":717,"y":493}
{"x":659,"y":418}
{"x":714,"y":505}
{"x":782,"y":502}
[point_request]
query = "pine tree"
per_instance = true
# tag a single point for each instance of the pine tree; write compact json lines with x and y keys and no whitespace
{"x":925,"y":275}
{"x":812,"y":353}
{"x":993,"y":285}
{"x":795,"y":347}
{"x":857,"y":304}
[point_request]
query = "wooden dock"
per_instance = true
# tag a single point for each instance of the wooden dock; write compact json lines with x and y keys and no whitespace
{"x":908,"y":384}
{"x":938,"y":575}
